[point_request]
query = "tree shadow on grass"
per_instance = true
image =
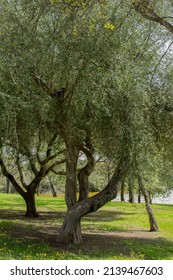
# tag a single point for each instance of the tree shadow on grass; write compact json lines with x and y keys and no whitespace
{"x":100,"y":216}
{"x":140,"y":244}
{"x":129,"y":245}
{"x":97,"y":246}
{"x":20,"y":215}
{"x":107,"y":215}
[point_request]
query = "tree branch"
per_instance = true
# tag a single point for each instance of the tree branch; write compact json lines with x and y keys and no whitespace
{"x":37,"y":179}
{"x":63,"y":173}
{"x":38,"y":149}
{"x":21,"y":175}
{"x":58,"y":162}
{"x":143,"y":8}
{"x":55,"y":155}
{"x":42,"y":84}
{"x":50,"y":144}
{"x":31,"y":161}
{"x":11,"y":178}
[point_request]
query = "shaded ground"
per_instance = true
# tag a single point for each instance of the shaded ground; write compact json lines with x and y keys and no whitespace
{"x":45,"y":229}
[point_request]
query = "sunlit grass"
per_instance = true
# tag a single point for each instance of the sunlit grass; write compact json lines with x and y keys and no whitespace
{"x":114,"y":217}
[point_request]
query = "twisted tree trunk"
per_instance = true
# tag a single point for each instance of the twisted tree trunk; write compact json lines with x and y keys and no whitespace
{"x":67,"y":233}
{"x":84,"y":173}
{"x":72,"y":153}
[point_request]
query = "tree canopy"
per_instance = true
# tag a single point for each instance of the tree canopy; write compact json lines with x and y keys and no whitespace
{"x":95,"y":76}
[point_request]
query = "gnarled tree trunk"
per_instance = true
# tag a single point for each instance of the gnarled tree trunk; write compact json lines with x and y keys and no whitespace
{"x":67,"y":233}
{"x":72,"y":153}
{"x":84,"y":173}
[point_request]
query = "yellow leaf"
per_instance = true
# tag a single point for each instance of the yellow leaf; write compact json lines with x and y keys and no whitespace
{"x":109,"y":26}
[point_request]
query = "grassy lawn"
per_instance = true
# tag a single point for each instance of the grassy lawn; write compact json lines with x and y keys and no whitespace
{"x":117,"y":231}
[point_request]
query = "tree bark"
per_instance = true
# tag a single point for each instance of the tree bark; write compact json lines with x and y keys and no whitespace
{"x":139,"y":196}
{"x":67,"y":233}
{"x":72,"y":153}
{"x":84,"y":173}
{"x":29,"y":198}
{"x":131,"y":195}
{"x":8,"y":186}
{"x":54,"y":194}
{"x":122,"y":191}
{"x":38,"y":190}
{"x":150,"y":197}
{"x":152,"y":220}
{"x":51,"y":187}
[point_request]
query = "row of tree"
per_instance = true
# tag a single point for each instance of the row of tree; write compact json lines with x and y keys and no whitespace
{"x":85,"y":77}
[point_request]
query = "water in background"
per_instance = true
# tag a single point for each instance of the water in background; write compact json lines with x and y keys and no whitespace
{"x":160,"y":199}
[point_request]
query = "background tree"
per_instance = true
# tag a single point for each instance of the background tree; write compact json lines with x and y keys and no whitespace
{"x":31,"y":167}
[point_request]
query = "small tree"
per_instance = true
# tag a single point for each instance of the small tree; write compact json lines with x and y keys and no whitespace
{"x":39,"y":166}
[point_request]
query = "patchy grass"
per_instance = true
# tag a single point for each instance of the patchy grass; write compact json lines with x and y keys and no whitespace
{"x":117,"y":231}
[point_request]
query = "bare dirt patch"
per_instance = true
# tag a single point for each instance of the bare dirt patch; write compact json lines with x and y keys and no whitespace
{"x":45,"y":229}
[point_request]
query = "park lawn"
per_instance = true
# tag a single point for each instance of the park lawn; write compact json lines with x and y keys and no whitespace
{"x":116,"y":231}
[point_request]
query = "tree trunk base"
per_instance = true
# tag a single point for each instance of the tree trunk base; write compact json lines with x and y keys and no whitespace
{"x":70,"y":235}
{"x":70,"y":231}
{"x":69,"y":239}
{"x":31,"y":210}
{"x":154,"y":229}
{"x":31,"y":215}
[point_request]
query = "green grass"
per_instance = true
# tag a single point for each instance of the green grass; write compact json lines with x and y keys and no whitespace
{"x":117,"y":231}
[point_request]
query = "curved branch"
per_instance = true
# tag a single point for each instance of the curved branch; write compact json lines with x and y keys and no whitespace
{"x":61,"y":173}
{"x":143,"y":8}
{"x":58,"y":162}
{"x":11,"y":178}
{"x":19,"y":167}
{"x":84,"y":173}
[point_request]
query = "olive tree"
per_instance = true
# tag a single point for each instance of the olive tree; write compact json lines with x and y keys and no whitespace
{"x":72,"y":61}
